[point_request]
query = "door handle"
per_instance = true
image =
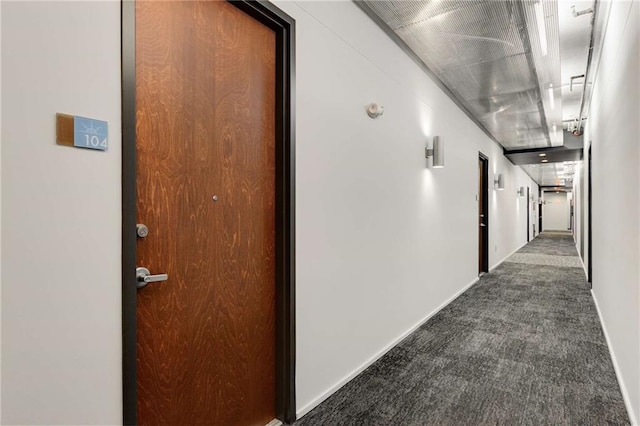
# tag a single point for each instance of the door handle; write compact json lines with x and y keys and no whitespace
{"x":144,"y":277}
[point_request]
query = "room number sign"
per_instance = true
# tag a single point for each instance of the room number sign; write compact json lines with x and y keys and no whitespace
{"x":82,"y":132}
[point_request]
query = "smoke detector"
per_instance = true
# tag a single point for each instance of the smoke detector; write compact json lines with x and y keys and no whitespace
{"x":374,"y":110}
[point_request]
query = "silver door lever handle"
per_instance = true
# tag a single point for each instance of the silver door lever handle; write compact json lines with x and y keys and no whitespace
{"x":144,"y":277}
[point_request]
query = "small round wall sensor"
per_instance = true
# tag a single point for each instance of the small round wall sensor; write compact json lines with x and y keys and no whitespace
{"x":375,"y":110}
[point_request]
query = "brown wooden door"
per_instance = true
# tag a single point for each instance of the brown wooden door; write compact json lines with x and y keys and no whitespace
{"x":205,"y":127}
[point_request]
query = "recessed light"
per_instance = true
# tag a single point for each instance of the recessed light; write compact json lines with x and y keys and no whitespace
{"x":545,"y":161}
{"x":542,"y":155}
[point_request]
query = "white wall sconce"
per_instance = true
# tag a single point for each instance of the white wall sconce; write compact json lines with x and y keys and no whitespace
{"x":437,"y":152}
{"x":521,"y":192}
{"x":498,"y":182}
{"x":374,"y":110}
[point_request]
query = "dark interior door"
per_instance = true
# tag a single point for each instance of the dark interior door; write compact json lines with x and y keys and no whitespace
{"x":483,"y":214}
{"x":589,"y":223}
{"x":540,"y":211}
{"x":205,"y":125}
{"x":580,"y":194}
{"x":528,"y":212}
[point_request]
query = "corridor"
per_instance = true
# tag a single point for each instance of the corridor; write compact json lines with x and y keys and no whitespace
{"x":252,"y":212}
{"x":522,"y":346}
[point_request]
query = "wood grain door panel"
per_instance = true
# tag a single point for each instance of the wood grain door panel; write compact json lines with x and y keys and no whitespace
{"x":205,"y":127}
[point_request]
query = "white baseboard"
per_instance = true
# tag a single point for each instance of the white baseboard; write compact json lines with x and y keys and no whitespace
{"x":507,"y":256}
{"x":586,"y":274}
{"x":326,"y":394}
{"x":623,"y":388}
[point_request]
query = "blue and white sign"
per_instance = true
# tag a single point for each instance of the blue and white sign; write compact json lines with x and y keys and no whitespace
{"x":90,"y":133}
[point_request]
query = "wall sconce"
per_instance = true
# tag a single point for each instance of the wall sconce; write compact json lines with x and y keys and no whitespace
{"x":437,"y":152}
{"x":498,"y":183}
{"x":521,"y":191}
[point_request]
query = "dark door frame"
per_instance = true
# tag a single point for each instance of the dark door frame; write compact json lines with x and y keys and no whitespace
{"x":540,"y":201}
{"x":589,"y":221}
{"x":284,"y":27}
{"x":485,"y":209}
{"x":528,"y":219}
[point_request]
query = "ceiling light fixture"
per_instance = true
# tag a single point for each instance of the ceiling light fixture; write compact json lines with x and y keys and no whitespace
{"x":542,"y":155}
{"x":545,"y":161}
{"x":542,"y":32}
{"x":437,"y":152}
{"x":552,"y":101}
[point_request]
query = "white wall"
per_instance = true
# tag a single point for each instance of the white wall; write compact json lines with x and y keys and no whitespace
{"x":0,"y":223}
{"x":555,"y":212}
{"x":382,"y":240}
{"x":61,"y":309}
{"x":613,"y":127}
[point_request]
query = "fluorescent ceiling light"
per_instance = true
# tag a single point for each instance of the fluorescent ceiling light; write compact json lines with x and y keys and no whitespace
{"x":542,"y":155}
{"x":542,"y":32}
{"x":552,"y":101}
{"x":545,"y":161}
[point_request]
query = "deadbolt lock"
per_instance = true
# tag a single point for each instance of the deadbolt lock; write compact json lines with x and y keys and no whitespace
{"x":142,"y":230}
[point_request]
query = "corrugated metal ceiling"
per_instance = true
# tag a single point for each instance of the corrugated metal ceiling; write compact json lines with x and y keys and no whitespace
{"x":490,"y":55}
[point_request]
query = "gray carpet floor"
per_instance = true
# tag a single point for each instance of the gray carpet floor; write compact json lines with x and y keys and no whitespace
{"x":522,"y":346}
